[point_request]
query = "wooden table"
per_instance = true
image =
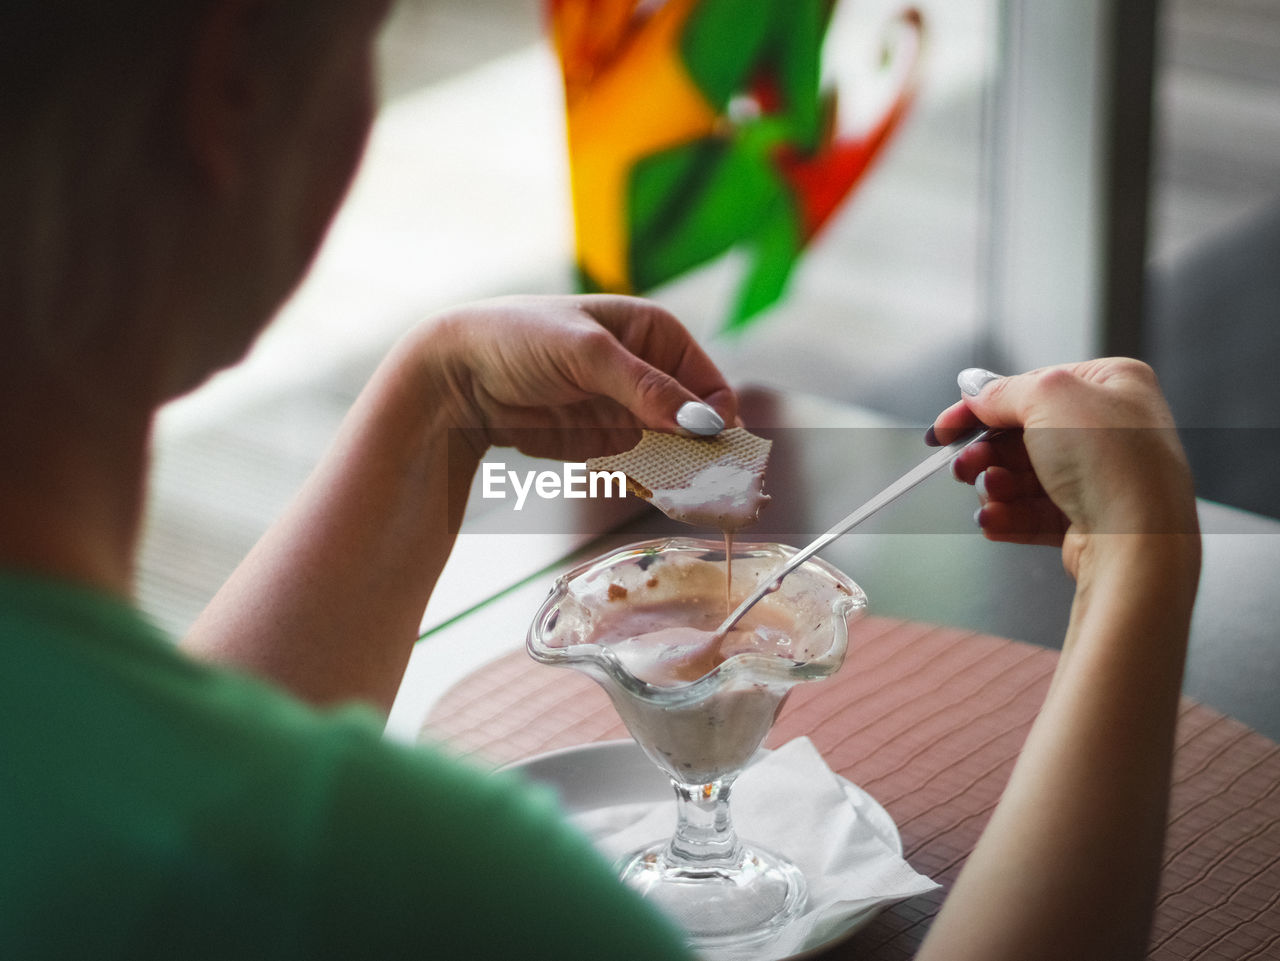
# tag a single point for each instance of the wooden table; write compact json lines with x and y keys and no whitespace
{"x":929,"y":720}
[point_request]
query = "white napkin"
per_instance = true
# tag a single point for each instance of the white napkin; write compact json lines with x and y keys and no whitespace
{"x":791,"y":803}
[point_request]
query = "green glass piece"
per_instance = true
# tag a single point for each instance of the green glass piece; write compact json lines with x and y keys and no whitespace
{"x":692,"y":203}
{"x":796,"y":63}
{"x":721,"y":44}
{"x":778,"y":244}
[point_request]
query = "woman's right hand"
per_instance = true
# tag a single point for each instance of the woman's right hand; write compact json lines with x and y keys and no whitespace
{"x":1089,"y":448}
{"x":1089,"y":459}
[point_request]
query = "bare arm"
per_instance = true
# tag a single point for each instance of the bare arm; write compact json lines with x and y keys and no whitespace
{"x":1069,"y":865}
{"x":328,"y":603}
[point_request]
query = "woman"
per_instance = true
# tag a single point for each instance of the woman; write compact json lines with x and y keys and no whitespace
{"x":168,"y":171}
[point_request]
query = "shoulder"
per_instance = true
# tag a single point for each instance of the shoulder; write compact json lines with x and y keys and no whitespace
{"x":255,"y":819}
{"x":418,"y":848}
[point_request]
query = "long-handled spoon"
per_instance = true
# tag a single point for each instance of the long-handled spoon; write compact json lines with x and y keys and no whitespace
{"x":930,"y":465}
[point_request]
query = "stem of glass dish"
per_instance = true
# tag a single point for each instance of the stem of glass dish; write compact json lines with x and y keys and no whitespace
{"x":704,"y":836}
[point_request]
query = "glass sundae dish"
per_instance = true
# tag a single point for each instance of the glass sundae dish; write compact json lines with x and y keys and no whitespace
{"x":642,"y":622}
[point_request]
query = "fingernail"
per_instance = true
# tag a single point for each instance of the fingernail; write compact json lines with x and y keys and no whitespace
{"x":973,"y":379}
{"x":977,"y":517}
{"x":697,"y":418}
{"x":980,"y":485}
{"x":931,"y":438}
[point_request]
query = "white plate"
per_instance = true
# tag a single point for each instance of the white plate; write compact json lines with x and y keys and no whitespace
{"x":607,"y":773}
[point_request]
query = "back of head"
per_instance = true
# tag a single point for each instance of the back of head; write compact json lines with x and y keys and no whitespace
{"x":89,"y":94}
{"x":99,"y":196}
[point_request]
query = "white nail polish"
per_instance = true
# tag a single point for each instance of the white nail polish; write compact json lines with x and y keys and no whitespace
{"x":977,"y":517}
{"x":980,"y":485}
{"x":698,"y":418}
{"x":973,"y":379}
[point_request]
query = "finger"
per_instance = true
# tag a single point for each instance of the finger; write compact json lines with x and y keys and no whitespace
{"x":950,"y":424}
{"x":606,"y":368}
{"x":972,"y":461}
{"x":1017,"y":399}
{"x":662,"y":366}
{"x":966,"y":414}
{"x":1009,"y":450}
{"x":1027,"y":521}
{"x":655,"y":335}
{"x":994,"y":400}
{"x":1001,"y":484}
{"x":1005,"y":449}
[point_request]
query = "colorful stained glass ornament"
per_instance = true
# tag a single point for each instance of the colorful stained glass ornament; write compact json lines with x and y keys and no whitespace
{"x":697,"y":127}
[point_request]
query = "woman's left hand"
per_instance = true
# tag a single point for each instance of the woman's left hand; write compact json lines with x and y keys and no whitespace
{"x":570,"y":376}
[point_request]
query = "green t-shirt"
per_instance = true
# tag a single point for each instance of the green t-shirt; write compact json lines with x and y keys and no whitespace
{"x":154,"y":807}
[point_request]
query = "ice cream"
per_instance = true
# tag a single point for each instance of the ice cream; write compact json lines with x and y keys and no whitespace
{"x":656,"y":615}
{"x":700,"y":741}
{"x":670,"y":643}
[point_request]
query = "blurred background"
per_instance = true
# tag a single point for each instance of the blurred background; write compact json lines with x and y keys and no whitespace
{"x":1072,"y":180}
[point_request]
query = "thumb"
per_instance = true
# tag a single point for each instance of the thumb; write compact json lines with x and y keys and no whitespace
{"x":656,"y":398}
{"x":996,"y":400}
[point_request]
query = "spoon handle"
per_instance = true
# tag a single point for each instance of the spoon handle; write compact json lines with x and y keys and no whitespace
{"x":930,"y":465}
